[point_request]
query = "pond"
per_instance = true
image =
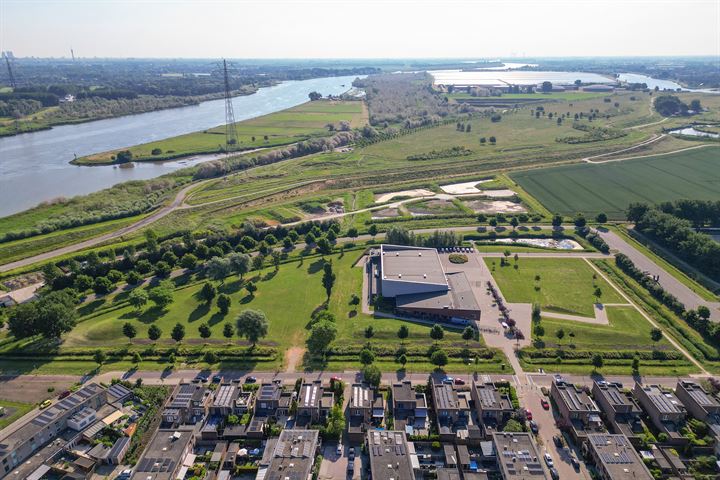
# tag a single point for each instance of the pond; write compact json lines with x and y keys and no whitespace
{"x":693,"y":132}
{"x":564,"y":244}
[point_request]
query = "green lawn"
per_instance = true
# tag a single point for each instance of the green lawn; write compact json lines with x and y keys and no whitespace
{"x":13,"y":411}
{"x":610,"y":187}
{"x":566,"y":285}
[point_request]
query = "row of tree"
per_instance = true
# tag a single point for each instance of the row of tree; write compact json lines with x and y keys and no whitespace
{"x":398,"y":235}
{"x":702,"y":213}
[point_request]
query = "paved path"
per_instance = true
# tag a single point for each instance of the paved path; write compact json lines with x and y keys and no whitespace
{"x":690,"y":299}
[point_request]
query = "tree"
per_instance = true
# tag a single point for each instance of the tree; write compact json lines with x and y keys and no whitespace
{"x":204,"y":330}
{"x":51,"y":272}
{"x":468,"y":334}
{"x":228,"y":331}
{"x":322,"y":334}
{"x":514,"y":222}
{"x":207,"y":292}
{"x":536,"y":313}
{"x":636,"y":365}
{"x":223,"y":303}
{"x":373,"y":230}
{"x":99,"y":357}
{"x":695,"y":105}
{"x":50,"y":316}
{"x":323,"y":246}
{"x":403,"y":333}
{"x":251,"y":288}
{"x":162,"y":269}
{"x":597,"y":293}
{"x":560,"y":333}
{"x":188,"y":261}
{"x":129,"y":330}
{"x":210,"y":357}
{"x":102,"y":285}
{"x":161,"y":296}
{"x":83,"y":282}
{"x":328,"y":278}
{"x":656,"y":334}
{"x":601,"y":217}
{"x":218,"y":268}
{"x":493,"y":140}
{"x":133,"y":277}
{"x":372,"y":375}
{"x":314,"y":96}
{"x":366,"y":356}
{"x":154,"y":332}
{"x":138,"y":298}
{"x":402,"y":359}
{"x":437,"y":332}
{"x":439,"y":358}
{"x":546,"y":87}
{"x":288,"y":243}
{"x":252,"y":324}
{"x":512,"y":426}
{"x":136,"y":358}
{"x":597,"y":361}
{"x":369,"y":331}
{"x":703,"y":312}
{"x":557,"y":220}
{"x":178,"y":332}
{"x":580,"y":221}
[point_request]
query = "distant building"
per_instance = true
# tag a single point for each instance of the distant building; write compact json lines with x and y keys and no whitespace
{"x":615,"y":458}
{"x":577,"y":409}
{"x":366,"y":409}
{"x":665,"y":410}
{"x":390,"y":455}
{"x":517,"y":456}
{"x":292,"y":457}
{"x":620,"y":410}
{"x":492,"y":407}
{"x":410,"y":409}
{"x":416,"y":279}
{"x":599,"y":88}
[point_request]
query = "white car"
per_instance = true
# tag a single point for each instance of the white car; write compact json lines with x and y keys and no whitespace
{"x":548,"y":460}
{"x":339,"y":449}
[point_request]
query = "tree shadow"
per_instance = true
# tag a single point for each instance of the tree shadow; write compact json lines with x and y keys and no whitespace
{"x":200,"y":311}
{"x":352,"y":313}
{"x":89,"y":308}
{"x":247,"y":299}
{"x":316,"y":266}
{"x":151,"y":314}
{"x":232,"y":287}
{"x":122,"y":296}
{"x":216,"y":318}
{"x":183,"y":279}
{"x":269,"y":275}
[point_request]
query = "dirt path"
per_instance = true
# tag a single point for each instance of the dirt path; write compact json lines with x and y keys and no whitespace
{"x":293,"y":358}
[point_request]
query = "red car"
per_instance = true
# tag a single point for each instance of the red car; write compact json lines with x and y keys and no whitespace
{"x":459,"y":381}
{"x":64,"y":394}
{"x":335,"y":379}
{"x":528,"y":414}
{"x":545,"y":404}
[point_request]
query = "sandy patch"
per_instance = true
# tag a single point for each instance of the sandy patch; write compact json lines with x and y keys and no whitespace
{"x":433,"y":207}
{"x":462,"y":188}
{"x":497,"y":193}
{"x":417,"y":192}
{"x":386,"y":213}
{"x":293,"y":358}
{"x":495,"y":206}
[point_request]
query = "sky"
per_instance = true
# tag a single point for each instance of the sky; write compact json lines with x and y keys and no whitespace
{"x":359,"y":29}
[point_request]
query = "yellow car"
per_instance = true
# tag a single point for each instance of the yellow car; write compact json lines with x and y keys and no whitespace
{"x":45,"y":404}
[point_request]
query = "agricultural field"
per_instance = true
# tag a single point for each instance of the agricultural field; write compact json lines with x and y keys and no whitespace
{"x":282,"y":128}
{"x":610,"y":187}
{"x":518,"y":285}
{"x":627,"y":331}
{"x":102,"y":320}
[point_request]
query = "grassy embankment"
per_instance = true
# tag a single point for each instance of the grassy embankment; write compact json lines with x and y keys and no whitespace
{"x":276,"y":129}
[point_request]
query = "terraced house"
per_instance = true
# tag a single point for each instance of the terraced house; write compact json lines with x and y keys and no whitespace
{"x":577,"y":409}
{"x":620,"y":410}
{"x":665,"y":410}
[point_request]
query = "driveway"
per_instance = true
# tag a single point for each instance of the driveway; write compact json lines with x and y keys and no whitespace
{"x":690,"y":299}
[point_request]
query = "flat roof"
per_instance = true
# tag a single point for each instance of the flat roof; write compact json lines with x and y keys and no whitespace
{"x":187,"y":393}
{"x":618,"y":457}
{"x":293,"y":455}
{"x":518,"y":456}
{"x":575,"y":399}
{"x":225,"y":395}
{"x":614,"y":396}
{"x":163,"y":455}
{"x":698,"y":394}
{"x":389,"y":455}
{"x":411,"y":264}
{"x":490,"y":397}
{"x":403,"y":392}
{"x":459,"y":296}
{"x":446,"y":397}
{"x":664,"y":402}
{"x":310,"y":395}
{"x":361,"y":396}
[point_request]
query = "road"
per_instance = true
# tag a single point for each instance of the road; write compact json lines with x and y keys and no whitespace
{"x":690,"y":299}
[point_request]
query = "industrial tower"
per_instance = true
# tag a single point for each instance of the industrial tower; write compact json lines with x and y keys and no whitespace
{"x":231,"y":137}
{"x":10,"y":72}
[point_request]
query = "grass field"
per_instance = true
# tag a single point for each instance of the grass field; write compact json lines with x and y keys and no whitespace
{"x":288,"y":126}
{"x":556,"y":275}
{"x":13,"y":411}
{"x":288,"y":297}
{"x":610,"y":187}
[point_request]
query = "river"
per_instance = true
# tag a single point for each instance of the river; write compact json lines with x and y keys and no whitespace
{"x":34,"y":166}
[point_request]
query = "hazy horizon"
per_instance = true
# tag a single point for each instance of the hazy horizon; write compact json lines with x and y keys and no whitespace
{"x":353,"y":29}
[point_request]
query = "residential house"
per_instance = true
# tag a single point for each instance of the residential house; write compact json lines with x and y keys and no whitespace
{"x":390,"y":455}
{"x":615,"y":458}
{"x":314,"y":403}
{"x":188,"y":404}
{"x":578,"y":411}
{"x":366,"y":409}
{"x":620,"y":410}
{"x":701,"y":405}
{"x":665,"y":411}
{"x":452,"y":411}
{"x":410,"y":409}
{"x":517,"y":456}
{"x":293,"y":456}
{"x":493,"y":408}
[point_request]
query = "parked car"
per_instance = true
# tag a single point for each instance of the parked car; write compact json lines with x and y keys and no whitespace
{"x":557,"y":439}
{"x":575,"y":463}
{"x":448,"y":380}
{"x":217,"y":378}
{"x":528,"y":414}
{"x":45,"y":404}
{"x":548,"y":460}
{"x":64,"y":394}
{"x":554,"y":473}
{"x":534,"y":427}
{"x":202,"y":377}
{"x":545,"y":404}
{"x":339,"y":449}
{"x":351,"y":454}
{"x":250,"y":379}
{"x":459,"y":381}
{"x":335,"y":379}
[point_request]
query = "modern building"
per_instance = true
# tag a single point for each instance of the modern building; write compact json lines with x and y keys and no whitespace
{"x":492,"y":407}
{"x":314,"y":403}
{"x":163,"y":457}
{"x":272,"y":401}
{"x":452,"y":411}
{"x":365,"y":410}
{"x":390,"y":455}
{"x":223,"y":403}
{"x":292,"y":457}
{"x":665,"y":411}
{"x":620,"y":410}
{"x":188,"y":404}
{"x":615,"y":458}
{"x":517,"y":456}
{"x":409,"y":408}
{"x":578,"y":411}
{"x":701,"y":405}
{"x":47,"y":425}
{"x":416,"y":279}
